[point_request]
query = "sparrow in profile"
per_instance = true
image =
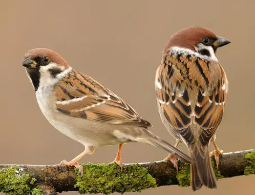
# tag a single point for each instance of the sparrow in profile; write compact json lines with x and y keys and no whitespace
{"x":191,"y":88}
{"x":84,"y":110}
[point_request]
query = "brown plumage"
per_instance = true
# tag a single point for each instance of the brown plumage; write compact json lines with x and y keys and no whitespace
{"x":100,"y":103}
{"x":51,"y":55}
{"x":189,"y":37}
{"x":84,"y":110}
{"x":191,"y":90}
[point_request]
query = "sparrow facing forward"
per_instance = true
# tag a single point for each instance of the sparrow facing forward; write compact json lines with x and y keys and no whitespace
{"x":83,"y":109}
{"x":191,"y":88}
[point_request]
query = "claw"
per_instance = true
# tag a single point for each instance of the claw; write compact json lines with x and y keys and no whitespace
{"x":118,"y":162}
{"x":172,"y":159}
{"x":73,"y":163}
{"x":216,"y":154}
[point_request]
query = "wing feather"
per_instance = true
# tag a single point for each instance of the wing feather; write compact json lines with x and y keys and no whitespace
{"x":80,"y":96}
{"x":191,"y":91}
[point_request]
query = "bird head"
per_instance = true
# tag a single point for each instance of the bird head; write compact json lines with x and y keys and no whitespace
{"x":197,"y":39}
{"x":44,"y":65}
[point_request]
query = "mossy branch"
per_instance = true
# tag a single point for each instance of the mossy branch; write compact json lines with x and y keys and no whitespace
{"x":109,"y":178}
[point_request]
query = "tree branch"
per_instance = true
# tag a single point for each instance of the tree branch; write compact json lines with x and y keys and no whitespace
{"x":109,"y":178}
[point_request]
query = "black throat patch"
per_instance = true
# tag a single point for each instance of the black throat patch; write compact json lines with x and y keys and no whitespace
{"x":35,"y":77}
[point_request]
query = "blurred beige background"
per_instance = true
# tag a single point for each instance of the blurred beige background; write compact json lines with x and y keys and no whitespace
{"x":119,"y":43}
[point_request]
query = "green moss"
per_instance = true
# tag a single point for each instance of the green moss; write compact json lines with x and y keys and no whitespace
{"x":12,"y":182}
{"x":250,"y":158}
{"x":33,"y":180}
{"x":36,"y":191}
{"x":216,"y":171}
{"x":183,"y":175}
{"x":109,"y":178}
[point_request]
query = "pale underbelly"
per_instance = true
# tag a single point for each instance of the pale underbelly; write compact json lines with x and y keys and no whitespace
{"x":86,"y":132}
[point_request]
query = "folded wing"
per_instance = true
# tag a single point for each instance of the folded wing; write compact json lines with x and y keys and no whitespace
{"x":80,"y":96}
{"x":191,"y":91}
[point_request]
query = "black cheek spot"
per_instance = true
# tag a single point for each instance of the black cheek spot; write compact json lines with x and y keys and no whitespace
{"x":54,"y":72}
{"x":205,"y":52}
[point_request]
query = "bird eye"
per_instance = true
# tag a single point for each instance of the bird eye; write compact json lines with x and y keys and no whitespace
{"x":205,"y":40}
{"x":46,"y":59}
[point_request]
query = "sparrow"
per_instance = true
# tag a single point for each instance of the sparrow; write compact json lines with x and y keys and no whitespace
{"x":191,"y":88}
{"x":84,"y":110}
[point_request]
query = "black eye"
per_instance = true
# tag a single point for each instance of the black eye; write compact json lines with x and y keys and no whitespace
{"x":205,"y":41}
{"x":45,"y":59}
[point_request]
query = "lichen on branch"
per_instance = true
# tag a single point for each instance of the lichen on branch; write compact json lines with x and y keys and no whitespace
{"x":250,"y":158}
{"x":13,"y":182}
{"x":109,"y":178}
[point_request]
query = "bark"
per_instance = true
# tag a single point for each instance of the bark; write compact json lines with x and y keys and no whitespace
{"x":57,"y":178}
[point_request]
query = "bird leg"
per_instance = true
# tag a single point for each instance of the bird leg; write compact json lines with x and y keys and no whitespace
{"x":74,"y":162}
{"x":172,"y":158}
{"x":217,"y":152}
{"x":118,"y":157}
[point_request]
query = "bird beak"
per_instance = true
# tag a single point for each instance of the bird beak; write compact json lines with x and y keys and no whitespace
{"x":29,"y":63}
{"x":220,"y":41}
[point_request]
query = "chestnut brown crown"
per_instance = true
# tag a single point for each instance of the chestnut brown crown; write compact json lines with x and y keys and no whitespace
{"x":188,"y":38}
{"x":43,"y":57}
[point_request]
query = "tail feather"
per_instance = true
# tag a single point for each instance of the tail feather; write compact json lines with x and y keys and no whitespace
{"x":156,"y":141}
{"x":201,"y":171}
{"x":195,"y":181}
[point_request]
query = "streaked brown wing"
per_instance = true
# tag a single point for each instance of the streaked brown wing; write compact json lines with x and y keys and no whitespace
{"x":80,"y":96}
{"x":208,"y":113}
{"x":174,"y":102}
{"x":191,"y":91}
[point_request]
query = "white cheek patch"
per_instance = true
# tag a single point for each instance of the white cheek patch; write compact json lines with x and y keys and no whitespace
{"x":201,"y":46}
{"x":46,"y":79}
{"x":64,"y":73}
{"x":180,"y":50}
{"x":52,"y":65}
